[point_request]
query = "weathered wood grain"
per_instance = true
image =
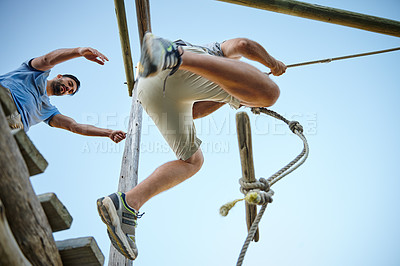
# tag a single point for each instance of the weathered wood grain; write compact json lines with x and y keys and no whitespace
{"x":10,"y":253}
{"x":23,"y":210}
{"x":246,"y":158}
{"x":58,"y":216}
{"x":80,"y":251}
{"x":325,"y":14}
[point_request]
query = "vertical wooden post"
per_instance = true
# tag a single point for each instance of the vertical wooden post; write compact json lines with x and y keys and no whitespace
{"x":246,"y":158}
{"x":130,"y":161}
{"x":325,"y":14}
{"x":24,"y":213}
{"x":125,"y":44}
{"x":10,"y":253}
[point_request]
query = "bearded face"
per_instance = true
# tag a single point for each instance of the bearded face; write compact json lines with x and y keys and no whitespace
{"x":58,"y":87}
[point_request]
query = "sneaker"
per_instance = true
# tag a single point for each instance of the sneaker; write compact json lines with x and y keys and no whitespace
{"x":157,"y":55}
{"x":121,"y":223}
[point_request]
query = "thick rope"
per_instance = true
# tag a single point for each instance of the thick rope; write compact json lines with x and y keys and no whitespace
{"x":328,"y":60}
{"x":261,"y":187}
{"x":259,"y":192}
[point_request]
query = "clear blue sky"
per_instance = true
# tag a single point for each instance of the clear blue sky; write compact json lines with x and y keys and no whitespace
{"x":340,"y":208}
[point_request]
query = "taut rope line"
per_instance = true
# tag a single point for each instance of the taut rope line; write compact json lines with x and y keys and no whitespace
{"x":328,"y":60}
{"x":259,"y":192}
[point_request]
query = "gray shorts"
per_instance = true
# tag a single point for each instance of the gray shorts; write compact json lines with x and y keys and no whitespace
{"x":172,"y":113}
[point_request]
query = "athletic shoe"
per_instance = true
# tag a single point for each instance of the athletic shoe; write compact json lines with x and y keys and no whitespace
{"x":157,"y":55}
{"x":121,"y":221}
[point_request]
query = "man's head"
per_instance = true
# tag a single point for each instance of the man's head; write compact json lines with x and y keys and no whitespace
{"x":64,"y":85}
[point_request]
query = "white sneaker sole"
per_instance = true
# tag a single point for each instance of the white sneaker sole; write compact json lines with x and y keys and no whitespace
{"x":109,"y":216}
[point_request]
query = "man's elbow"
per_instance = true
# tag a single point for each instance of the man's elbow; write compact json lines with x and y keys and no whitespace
{"x":74,"y":127}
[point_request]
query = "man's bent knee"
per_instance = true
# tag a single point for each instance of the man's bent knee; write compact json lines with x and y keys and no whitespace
{"x":196,"y":160}
{"x":264,"y":96}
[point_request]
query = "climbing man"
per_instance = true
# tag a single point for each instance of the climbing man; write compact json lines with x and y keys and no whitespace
{"x":29,"y":89}
{"x":200,"y":80}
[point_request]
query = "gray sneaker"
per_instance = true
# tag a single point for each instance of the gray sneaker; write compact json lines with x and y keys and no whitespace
{"x":157,"y":55}
{"x":121,"y":223}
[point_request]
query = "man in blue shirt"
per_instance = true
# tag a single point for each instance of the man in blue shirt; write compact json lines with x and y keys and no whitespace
{"x":30,"y":90}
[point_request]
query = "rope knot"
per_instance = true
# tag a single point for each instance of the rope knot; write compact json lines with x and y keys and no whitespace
{"x":256,"y":110}
{"x":257,"y":192}
{"x":247,"y":186}
{"x":295,"y":125}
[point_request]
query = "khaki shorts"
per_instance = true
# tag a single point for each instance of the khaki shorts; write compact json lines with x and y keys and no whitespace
{"x":172,"y":113}
{"x":14,"y":119}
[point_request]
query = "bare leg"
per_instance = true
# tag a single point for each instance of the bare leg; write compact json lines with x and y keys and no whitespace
{"x":163,"y":178}
{"x":204,"y":108}
{"x":239,"y":79}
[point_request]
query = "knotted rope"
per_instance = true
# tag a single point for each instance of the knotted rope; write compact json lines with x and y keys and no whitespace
{"x":259,"y":192}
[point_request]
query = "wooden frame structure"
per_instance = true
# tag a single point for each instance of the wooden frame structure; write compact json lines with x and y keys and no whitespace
{"x":27,"y":221}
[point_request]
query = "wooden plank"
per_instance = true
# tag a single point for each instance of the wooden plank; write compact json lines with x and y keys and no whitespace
{"x":10,"y":253}
{"x":246,"y":158}
{"x":325,"y":14}
{"x":80,"y":251}
{"x":58,"y":216}
{"x":23,"y":210}
{"x":34,"y":160}
{"x":125,"y":44}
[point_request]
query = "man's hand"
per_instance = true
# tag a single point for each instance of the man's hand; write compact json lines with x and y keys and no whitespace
{"x":92,"y":55}
{"x":117,"y":135}
{"x":279,"y":68}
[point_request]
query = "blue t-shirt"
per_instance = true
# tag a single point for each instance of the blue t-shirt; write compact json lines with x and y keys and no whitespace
{"x":28,"y":89}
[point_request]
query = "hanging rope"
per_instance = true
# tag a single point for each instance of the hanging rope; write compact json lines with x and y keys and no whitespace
{"x":259,"y":192}
{"x":328,"y":60}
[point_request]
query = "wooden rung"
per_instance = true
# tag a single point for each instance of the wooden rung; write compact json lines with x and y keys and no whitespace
{"x":34,"y":160}
{"x":57,"y":215}
{"x":80,"y":251}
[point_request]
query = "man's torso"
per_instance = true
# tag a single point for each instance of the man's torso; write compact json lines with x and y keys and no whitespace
{"x":28,"y":89}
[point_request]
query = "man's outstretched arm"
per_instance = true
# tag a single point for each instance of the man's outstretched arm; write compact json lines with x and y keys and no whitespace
{"x":48,"y":61}
{"x":67,"y":123}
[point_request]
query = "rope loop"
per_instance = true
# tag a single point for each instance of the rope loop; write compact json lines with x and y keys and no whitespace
{"x":259,"y":192}
{"x":247,"y":186}
{"x":256,"y":192}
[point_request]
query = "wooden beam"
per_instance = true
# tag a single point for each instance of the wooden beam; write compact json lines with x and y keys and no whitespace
{"x":246,"y":158}
{"x":143,"y":17}
{"x":58,"y":216}
{"x":125,"y":44}
{"x":325,"y":14}
{"x":34,"y":160}
{"x":23,"y":210}
{"x":130,"y":159}
{"x":80,"y":251}
{"x":10,"y":253}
